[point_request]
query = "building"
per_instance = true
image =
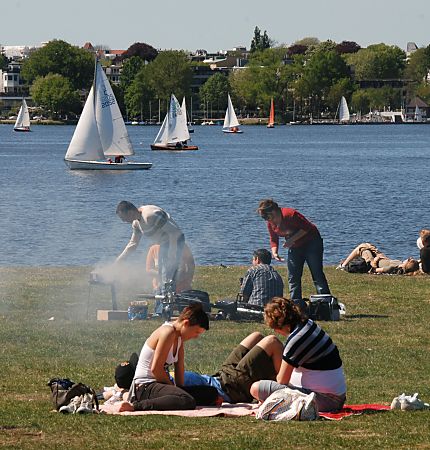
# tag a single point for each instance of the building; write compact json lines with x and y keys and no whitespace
{"x":11,"y":82}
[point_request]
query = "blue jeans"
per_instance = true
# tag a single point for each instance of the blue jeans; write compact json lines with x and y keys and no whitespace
{"x":312,"y":254}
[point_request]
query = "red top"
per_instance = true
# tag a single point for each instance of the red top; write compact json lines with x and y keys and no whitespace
{"x":292,"y":222}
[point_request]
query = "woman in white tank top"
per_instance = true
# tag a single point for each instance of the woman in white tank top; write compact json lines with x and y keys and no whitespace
{"x":153,"y":388}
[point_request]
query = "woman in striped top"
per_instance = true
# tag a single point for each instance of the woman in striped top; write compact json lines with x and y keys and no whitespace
{"x":310,"y":360}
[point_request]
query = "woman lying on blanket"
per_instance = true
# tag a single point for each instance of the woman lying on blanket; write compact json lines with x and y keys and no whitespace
{"x":310,"y":360}
{"x":153,"y":388}
{"x":378,"y":262}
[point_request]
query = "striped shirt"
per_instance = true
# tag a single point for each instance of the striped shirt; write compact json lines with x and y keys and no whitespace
{"x":261,"y":284}
{"x":310,"y":347}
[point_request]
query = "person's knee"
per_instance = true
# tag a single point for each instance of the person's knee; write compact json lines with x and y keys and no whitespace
{"x":186,"y":401}
{"x":270,"y":344}
{"x":254,"y":389}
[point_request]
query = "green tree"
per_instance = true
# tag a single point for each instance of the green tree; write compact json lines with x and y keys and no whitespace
{"x":59,"y":57}
{"x":360,"y":101}
{"x":55,"y":93}
{"x":342,"y":87}
{"x":260,"y":41}
{"x":418,"y":65}
{"x":130,"y":69}
{"x":3,"y":62}
{"x":215,"y":91}
{"x":378,"y":62}
{"x":138,"y":94}
{"x":170,"y":73}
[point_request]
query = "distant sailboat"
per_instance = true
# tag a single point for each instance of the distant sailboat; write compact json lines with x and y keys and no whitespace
{"x":174,"y":134}
{"x":23,"y":120}
{"x":231,"y":124}
{"x":101,"y":133}
{"x":271,"y":123}
{"x":418,"y":117}
{"x":343,"y":111}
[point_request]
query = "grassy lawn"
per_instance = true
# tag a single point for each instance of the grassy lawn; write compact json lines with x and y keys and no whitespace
{"x":384,"y":341}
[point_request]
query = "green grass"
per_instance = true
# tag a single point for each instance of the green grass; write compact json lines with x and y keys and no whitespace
{"x":384,"y":342}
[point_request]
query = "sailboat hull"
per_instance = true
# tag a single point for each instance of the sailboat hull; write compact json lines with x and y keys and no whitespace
{"x":172,"y":148}
{"x":232,"y":132}
{"x":74,"y":164}
{"x":270,"y":125}
{"x":22,"y":129}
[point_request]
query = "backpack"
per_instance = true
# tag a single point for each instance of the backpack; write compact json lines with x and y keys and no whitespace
{"x":289,"y":404}
{"x":358,"y":265}
{"x":323,"y":307}
{"x":64,"y":390}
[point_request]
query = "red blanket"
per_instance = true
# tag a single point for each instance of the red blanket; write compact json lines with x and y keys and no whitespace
{"x":355,"y":410}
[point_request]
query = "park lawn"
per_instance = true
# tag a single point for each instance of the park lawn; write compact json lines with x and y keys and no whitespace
{"x":383,"y":340}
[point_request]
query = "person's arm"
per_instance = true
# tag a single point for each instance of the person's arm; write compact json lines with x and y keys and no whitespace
{"x":179,"y":367}
{"x":132,"y":244}
{"x":274,"y":242}
{"x":295,"y":237}
{"x":284,"y":373}
{"x":246,"y":288}
{"x":166,"y":338}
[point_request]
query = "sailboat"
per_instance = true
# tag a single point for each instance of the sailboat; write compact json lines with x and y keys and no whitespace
{"x":100,"y":133}
{"x":231,"y":124}
{"x":23,"y":120}
{"x":343,"y":111}
{"x":184,"y":109}
{"x":418,"y":117}
{"x":271,"y":123}
{"x":174,"y":134}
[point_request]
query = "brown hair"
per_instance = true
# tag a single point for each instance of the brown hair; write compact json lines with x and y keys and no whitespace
{"x":425,"y":237}
{"x":195,"y":315}
{"x":281,"y":311}
{"x":266,"y":207}
{"x":411,"y":265}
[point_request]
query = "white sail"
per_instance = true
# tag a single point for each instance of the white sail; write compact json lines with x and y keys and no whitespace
{"x":111,"y":126}
{"x":418,"y":117}
{"x":86,"y":144}
{"x":177,"y":123}
{"x":343,"y":110}
{"x":162,"y":136}
{"x":230,"y":119}
{"x":23,"y":119}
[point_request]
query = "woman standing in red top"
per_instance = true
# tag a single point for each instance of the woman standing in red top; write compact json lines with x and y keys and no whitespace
{"x":304,"y":244}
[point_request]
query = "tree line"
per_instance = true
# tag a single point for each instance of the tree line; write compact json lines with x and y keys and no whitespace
{"x":305,"y":78}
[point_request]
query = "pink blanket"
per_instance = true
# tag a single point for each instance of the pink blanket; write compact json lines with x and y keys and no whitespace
{"x":243,"y":409}
{"x":225,"y":410}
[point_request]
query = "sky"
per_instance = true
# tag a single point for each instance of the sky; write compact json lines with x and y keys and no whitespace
{"x":212,"y":25}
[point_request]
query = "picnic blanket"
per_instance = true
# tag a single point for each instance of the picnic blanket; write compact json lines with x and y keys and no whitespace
{"x":354,"y":410}
{"x":225,"y":410}
{"x":244,"y":409}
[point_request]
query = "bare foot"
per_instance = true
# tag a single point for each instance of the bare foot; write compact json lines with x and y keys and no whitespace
{"x":125,"y":406}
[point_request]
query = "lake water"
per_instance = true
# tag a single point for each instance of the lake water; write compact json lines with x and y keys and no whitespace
{"x":356,"y":183}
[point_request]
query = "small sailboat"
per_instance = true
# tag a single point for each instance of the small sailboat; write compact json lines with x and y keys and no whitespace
{"x":174,"y":134}
{"x":23,"y":120}
{"x":184,"y":109}
{"x":100,"y":134}
{"x":418,"y":116}
{"x":343,"y":111}
{"x":231,"y":124}
{"x":271,"y":123}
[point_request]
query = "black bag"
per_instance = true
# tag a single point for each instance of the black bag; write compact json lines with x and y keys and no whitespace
{"x":357,"y":265}
{"x":63,"y":391}
{"x":323,"y":307}
{"x":194,"y":296}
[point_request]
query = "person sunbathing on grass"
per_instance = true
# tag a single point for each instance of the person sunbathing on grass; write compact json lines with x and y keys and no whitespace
{"x":153,"y":388}
{"x":378,"y":262}
{"x":310,"y":360}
